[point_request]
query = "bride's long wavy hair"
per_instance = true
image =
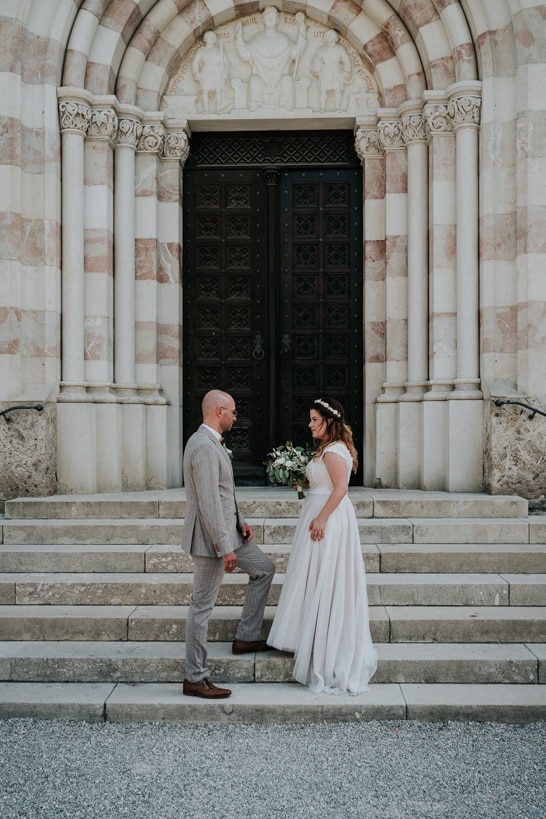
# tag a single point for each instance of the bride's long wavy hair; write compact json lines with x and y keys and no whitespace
{"x":337,"y":429}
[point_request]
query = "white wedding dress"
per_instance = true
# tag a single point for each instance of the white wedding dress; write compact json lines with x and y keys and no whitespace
{"x":322,"y":615}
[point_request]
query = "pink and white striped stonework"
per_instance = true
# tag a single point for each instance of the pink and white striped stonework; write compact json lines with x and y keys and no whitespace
{"x":98,"y":104}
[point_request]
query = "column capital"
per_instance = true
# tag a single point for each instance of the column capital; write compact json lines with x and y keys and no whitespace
{"x":413,"y":128}
{"x":367,"y":143}
{"x":437,"y":119}
{"x":74,"y":116}
{"x":128,"y":133}
{"x":390,"y":134}
{"x":103,"y":124}
{"x":152,"y":138}
{"x":465,"y":111}
{"x":176,"y":145}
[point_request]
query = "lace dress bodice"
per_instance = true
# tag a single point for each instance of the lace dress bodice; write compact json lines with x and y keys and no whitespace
{"x":317,"y":473}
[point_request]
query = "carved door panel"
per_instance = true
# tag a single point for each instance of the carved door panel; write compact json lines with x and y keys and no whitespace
{"x":320,"y":323}
{"x":272,"y":277}
{"x":225,"y":307}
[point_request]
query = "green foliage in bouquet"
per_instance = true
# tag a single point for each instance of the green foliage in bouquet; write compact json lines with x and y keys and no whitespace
{"x":286,"y":464}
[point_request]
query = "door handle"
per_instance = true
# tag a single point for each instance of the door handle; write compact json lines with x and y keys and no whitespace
{"x":258,"y":352}
{"x":286,"y":346}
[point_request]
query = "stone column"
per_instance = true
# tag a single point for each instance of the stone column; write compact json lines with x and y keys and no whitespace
{"x":465,"y":438}
{"x":396,"y":298}
{"x":99,"y":226}
{"x":442,"y":288}
{"x":410,"y":450}
{"x":128,"y":135}
{"x":147,"y":247}
{"x":464,"y":111}
{"x":371,"y":155}
{"x":165,"y":423}
{"x":75,"y":116}
{"x":76,"y":453}
{"x":414,"y":136}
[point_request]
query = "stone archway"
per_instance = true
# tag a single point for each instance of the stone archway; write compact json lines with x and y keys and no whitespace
{"x":125,"y":132}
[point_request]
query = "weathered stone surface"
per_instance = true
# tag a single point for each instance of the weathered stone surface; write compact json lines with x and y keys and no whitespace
{"x":277,"y":703}
{"x":481,"y":703}
{"x":28,"y":451}
{"x":455,"y":662}
{"x":515,"y":447}
{"x":64,"y":622}
{"x":82,"y":701}
{"x":463,"y":557}
{"x":466,"y":624}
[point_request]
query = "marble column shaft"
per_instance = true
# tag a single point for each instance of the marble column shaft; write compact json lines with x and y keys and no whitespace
{"x":464,"y":110}
{"x":129,"y":131}
{"x":75,"y":115}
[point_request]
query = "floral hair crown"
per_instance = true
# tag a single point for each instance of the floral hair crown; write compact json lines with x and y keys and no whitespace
{"x":327,"y":406}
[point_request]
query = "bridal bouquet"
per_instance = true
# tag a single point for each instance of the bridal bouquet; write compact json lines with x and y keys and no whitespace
{"x":286,"y":464}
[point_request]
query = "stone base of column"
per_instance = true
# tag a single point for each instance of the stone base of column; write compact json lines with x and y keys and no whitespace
{"x":386,"y":444}
{"x":465,"y":446}
{"x":409,"y":444}
{"x":434,"y":445}
{"x":114,"y":447}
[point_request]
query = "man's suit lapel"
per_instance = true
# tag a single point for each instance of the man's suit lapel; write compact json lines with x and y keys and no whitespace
{"x":222,"y":449}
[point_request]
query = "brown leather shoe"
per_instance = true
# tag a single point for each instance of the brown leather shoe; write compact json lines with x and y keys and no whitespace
{"x":248,"y":646}
{"x":204,"y":688}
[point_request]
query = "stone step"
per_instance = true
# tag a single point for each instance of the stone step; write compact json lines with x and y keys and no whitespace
{"x":404,"y":624}
{"x":129,"y":588}
{"x":272,"y":531}
{"x":272,"y":703}
{"x":140,"y":662}
{"x":131,"y":558}
{"x":269,"y":502}
{"x":474,"y":558}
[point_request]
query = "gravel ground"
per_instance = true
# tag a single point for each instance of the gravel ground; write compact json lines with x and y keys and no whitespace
{"x":388,"y":770}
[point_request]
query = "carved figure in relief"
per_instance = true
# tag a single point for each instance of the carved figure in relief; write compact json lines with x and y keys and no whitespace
{"x":273,"y":57}
{"x":210,"y":70}
{"x":332,"y":65}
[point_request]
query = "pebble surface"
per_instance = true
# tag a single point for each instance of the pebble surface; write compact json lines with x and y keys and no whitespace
{"x":372,"y":770}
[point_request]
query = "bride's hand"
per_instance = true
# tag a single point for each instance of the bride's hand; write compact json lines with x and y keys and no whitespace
{"x":317,"y":527}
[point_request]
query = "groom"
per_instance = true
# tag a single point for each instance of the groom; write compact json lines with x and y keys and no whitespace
{"x":218,"y":540}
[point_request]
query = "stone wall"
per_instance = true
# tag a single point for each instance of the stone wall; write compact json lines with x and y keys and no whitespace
{"x":515,"y":454}
{"x":28,"y":446}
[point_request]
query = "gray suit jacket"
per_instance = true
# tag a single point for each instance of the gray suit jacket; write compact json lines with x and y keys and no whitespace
{"x":212,"y":522}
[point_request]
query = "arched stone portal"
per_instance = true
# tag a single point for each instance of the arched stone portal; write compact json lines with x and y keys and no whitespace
{"x":442,"y":107}
{"x":126,"y":133}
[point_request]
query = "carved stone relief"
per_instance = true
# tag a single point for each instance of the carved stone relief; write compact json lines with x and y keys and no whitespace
{"x":271,"y":63}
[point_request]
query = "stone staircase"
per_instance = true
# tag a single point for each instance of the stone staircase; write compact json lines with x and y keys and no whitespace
{"x":94,"y":594}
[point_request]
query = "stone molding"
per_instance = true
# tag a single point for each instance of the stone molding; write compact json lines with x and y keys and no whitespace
{"x":79,"y":392}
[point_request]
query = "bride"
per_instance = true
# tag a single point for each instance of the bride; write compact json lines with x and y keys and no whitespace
{"x":322,"y":615}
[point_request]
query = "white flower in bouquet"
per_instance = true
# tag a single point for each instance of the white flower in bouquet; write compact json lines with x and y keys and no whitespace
{"x":285,"y":465}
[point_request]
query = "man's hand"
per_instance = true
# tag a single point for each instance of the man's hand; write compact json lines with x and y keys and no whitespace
{"x":246,"y":532}
{"x":230,"y":562}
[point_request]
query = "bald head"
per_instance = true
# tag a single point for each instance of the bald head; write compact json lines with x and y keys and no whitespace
{"x":218,"y":410}
{"x":214,"y":399}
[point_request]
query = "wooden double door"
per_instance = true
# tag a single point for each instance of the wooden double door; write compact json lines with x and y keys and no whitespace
{"x":272,"y":283}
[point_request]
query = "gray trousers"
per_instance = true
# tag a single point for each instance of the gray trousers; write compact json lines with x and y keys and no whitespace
{"x":207,"y":579}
